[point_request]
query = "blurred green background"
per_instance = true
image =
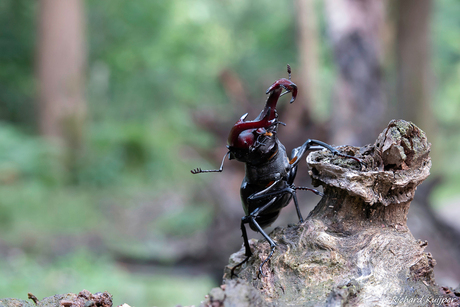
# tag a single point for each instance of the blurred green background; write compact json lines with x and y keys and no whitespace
{"x":105,"y":201}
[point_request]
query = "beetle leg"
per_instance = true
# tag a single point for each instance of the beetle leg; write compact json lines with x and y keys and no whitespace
{"x":297,"y":207}
{"x":294,"y":195}
{"x":265,"y":235}
{"x":258,"y":143}
{"x":309,"y":189}
{"x":281,"y":123}
{"x":199,"y":170}
{"x":300,"y":151}
{"x":263,"y":193}
{"x":247,"y":248}
{"x":291,"y":189}
{"x":336,"y":152}
{"x":251,"y":219}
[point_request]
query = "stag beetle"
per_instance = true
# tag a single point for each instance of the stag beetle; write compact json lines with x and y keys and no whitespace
{"x":269,"y":182}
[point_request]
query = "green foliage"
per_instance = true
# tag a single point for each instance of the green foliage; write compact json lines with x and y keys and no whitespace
{"x":25,"y":157}
{"x":120,"y":162}
{"x":152,"y":149}
{"x":183,"y":222}
{"x":446,"y":103}
{"x":17,"y":39}
{"x":447,"y":61}
{"x":158,"y":54}
{"x":151,"y":64}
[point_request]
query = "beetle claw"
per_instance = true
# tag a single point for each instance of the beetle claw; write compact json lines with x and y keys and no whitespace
{"x":196,"y":171}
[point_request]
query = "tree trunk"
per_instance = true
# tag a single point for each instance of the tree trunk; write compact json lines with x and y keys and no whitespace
{"x":61,"y":63}
{"x":354,"y":249}
{"x":414,"y":63}
{"x":359,"y":101}
{"x":307,"y":42}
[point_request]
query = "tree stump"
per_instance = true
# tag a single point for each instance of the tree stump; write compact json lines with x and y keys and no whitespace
{"x":354,"y":249}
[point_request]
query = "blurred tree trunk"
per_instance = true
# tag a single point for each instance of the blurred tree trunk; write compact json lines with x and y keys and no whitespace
{"x":414,"y":62}
{"x":414,"y":95}
{"x":61,"y":63}
{"x":359,"y":101}
{"x":307,"y":42}
{"x":304,"y":117}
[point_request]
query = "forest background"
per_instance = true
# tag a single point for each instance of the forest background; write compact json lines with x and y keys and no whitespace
{"x":105,"y":106}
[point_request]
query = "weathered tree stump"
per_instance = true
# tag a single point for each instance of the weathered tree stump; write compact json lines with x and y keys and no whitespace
{"x":354,"y":249}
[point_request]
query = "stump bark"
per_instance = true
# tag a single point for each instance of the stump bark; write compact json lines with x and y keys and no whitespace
{"x":354,"y":249}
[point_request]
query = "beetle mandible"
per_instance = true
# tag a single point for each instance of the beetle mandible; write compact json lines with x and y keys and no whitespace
{"x":268,"y":185}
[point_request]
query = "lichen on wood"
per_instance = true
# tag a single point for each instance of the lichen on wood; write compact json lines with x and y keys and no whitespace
{"x":354,"y":249}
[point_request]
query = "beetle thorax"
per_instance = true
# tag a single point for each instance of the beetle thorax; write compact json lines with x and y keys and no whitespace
{"x":272,"y":169}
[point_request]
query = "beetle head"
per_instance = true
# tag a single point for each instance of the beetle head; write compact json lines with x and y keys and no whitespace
{"x":251,"y":141}
{"x":247,"y":136}
{"x":255,"y":145}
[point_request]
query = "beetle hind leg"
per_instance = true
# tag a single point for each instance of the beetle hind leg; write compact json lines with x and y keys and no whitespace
{"x":253,"y":221}
{"x":266,"y":259}
{"x":238,"y":265}
{"x":310,"y":189}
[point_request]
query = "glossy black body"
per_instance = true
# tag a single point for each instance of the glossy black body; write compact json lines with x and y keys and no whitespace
{"x":263,"y":175}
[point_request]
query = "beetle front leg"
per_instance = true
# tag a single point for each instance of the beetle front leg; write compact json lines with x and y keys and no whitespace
{"x":199,"y":170}
{"x":264,"y":192}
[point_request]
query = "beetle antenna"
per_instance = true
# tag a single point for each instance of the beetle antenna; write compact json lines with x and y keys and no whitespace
{"x":289,"y":71}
